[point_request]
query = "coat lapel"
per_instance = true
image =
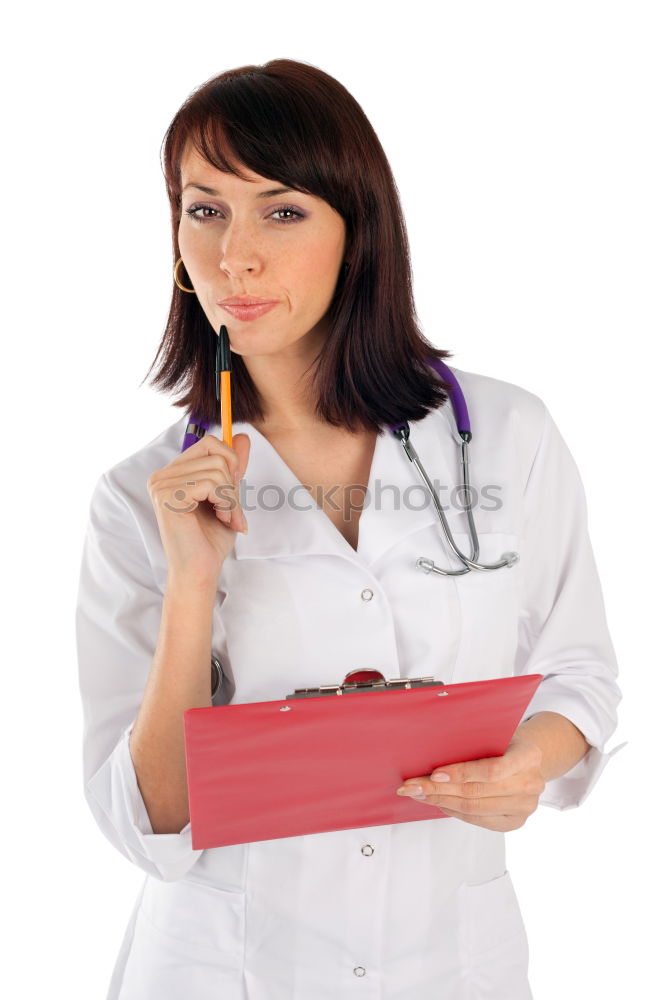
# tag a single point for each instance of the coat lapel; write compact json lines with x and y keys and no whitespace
{"x":284,"y":519}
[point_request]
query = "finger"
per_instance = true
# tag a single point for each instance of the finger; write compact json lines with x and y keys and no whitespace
{"x":529,"y":781}
{"x":186,"y":494}
{"x":228,"y":507}
{"x":202,"y":483}
{"x":213,"y":466}
{"x":195,"y":466}
{"x":502,"y":824}
{"x":209,"y":444}
{"x":487,"y":769}
{"x":499,"y":805}
{"x":200,"y":455}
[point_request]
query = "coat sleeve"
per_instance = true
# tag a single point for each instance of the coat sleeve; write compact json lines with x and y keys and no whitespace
{"x":563,"y":632}
{"x":118,"y":614}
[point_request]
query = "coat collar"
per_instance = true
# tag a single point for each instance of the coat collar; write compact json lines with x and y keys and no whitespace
{"x":277,"y":527}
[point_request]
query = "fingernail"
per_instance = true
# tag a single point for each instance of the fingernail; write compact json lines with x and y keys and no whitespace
{"x":440,"y":776}
{"x":410,"y":790}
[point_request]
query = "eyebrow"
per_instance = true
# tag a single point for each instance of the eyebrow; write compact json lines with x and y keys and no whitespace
{"x":261,"y":194}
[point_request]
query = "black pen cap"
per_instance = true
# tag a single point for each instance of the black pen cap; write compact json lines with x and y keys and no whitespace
{"x":222,"y":358}
{"x":225,"y":355}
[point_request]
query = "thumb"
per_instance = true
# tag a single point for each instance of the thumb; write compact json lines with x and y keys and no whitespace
{"x":242,"y":448}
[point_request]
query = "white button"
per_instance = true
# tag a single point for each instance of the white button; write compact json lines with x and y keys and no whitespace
{"x":367,"y":850}
{"x":367,"y":594}
{"x":359,"y":971}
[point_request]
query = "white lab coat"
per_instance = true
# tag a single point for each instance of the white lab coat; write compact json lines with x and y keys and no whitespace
{"x":417,"y":911}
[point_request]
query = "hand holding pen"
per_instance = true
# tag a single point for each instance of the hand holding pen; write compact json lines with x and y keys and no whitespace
{"x":197,"y":536}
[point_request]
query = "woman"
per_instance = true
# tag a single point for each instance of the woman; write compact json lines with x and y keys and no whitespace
{"x":280,"y":190}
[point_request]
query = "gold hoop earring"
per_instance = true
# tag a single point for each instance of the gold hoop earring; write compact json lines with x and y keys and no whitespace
{"x":175,"y":277}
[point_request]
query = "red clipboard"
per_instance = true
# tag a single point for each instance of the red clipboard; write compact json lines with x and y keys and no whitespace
{"x":332,"y":758}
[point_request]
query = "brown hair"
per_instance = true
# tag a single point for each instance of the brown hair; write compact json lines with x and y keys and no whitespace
{"x":293,"y":123}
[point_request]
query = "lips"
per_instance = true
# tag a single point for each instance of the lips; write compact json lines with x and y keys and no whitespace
{"x":244,"y":300}
{"x":248,"y":312}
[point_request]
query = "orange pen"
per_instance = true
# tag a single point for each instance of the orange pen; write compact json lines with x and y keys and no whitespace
{"x":223,"y":384}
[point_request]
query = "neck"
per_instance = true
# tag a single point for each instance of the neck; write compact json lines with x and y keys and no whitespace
{"x":284,"y":386}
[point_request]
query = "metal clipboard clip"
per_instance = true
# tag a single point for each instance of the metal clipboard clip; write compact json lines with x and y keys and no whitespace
{"x":366,"y":680}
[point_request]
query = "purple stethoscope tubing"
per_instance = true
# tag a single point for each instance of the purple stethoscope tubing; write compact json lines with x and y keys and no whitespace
{"x":196,"y":428}
{"x":455,"y":395}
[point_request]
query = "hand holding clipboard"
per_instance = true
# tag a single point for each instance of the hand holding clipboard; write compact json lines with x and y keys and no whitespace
{"x":332,"y":758}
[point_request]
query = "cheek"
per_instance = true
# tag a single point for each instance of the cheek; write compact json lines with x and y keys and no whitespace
{"x":185,"y":244}
{"x":320,"y":263}
{"x":194,"y":244}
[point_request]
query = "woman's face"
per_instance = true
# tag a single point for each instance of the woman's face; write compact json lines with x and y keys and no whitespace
{"x":239,"y":241}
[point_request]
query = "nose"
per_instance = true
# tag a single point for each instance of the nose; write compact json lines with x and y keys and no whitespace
{"x":239,"y":250}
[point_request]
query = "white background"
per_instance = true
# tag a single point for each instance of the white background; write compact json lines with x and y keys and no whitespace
{"x":527,"y":141}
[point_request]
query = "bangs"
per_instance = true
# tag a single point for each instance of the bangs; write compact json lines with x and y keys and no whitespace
{"x":278,"y":134}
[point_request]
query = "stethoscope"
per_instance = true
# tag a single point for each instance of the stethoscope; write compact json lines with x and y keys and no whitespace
{"x":196,"y":428}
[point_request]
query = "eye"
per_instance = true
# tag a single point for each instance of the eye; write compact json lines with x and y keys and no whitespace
{"x":192,"y":212}
{"x":294,"y":211}
{"x":296,"y":216}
